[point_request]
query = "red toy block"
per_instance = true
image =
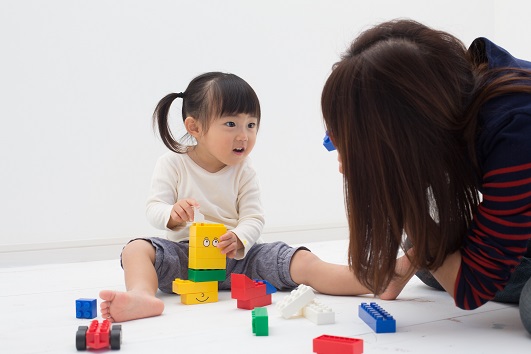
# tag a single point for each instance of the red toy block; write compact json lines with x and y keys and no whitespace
{"x":243,"y":288}
{"x":327,"y":344}
{"x":254,"y":302}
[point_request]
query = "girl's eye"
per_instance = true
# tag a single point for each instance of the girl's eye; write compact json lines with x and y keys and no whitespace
{"x":251,"y":125}
{"x":230,"y":124}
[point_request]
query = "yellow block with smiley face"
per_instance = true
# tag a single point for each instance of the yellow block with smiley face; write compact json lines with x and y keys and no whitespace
{"x":193,"y":293}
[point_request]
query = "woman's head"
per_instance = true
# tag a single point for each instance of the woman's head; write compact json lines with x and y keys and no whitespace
{"x":208,"y":97}
{"x":394,"y":107}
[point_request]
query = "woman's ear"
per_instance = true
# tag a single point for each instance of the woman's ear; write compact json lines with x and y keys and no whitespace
{"x":192,"y":126}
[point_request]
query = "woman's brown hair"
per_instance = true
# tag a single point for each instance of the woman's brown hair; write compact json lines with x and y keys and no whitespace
{"x":401,"y":109}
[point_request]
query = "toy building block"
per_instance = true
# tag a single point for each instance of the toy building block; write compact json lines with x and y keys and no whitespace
{"x":249,"y":293}
{"x":207,"y":263}
{"x":86,"y":308}
{"x":327,"y":143}
{"x":318,"y":313}
{"x":377,"y":318}
{"x":209,"y":252}
{"x":199,"y":298}
{"x":199,"y":275}
{"x":260,"y":321}
{"x":326,"y":344}
{"x":270,"y":289}
{"x":254,"y":302}
{"x":180,"y":286}
{"x":200,"y":231}
{"x":203,"y":252}
{"x":243,"y":288}
{"x":98,"y":336}
{"x":292,"y":304}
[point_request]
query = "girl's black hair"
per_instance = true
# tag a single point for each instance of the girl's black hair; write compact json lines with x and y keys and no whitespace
{"x":208,"y":96}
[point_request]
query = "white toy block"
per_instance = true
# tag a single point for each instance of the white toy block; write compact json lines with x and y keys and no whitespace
{"x":318,"y":313}
{"x":292,"y":304}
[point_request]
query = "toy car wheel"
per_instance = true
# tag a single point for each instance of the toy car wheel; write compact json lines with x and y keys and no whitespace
{"x":116,"y":337}
{"x":81,"y":338}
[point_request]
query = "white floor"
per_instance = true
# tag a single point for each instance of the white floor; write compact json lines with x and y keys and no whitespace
{"x":37,"y":309}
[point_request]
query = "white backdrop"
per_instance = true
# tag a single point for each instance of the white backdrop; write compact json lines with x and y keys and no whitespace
{"x":79,"y":81}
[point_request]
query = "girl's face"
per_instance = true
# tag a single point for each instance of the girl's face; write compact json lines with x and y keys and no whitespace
{"x":228,"y":141}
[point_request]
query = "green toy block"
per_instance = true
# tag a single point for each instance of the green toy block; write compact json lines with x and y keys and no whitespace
{"x":200,"y":275}
{"x":260,"y":321}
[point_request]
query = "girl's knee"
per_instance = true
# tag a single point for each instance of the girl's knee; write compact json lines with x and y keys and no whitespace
{"x":138,"y":248}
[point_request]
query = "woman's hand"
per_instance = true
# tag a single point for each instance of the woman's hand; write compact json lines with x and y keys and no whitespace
{"x":229,"y":244}
{"x":182,"y":212}
{"x":405,"y":272}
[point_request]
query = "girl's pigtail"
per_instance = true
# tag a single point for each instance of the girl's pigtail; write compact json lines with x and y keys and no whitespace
{"x":160,"y":119}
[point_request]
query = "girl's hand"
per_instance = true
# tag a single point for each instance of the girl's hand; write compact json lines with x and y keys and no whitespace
{"x":182,"y":212}
{"x":405,"y":272}
{"x":229,"y":244}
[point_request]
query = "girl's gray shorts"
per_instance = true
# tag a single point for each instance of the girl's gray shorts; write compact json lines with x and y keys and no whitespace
{"x":264,"y":261}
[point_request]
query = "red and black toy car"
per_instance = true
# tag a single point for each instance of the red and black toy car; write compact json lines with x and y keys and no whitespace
{"x":98,"y":336}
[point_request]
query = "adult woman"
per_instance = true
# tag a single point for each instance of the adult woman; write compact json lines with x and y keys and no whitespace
{"x":422,"y":127}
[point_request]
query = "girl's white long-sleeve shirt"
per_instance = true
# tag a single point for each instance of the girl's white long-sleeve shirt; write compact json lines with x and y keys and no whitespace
{"x":230,"y":196}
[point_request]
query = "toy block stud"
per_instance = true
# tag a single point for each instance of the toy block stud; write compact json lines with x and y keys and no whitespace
{"x":292,"y":304}
{"x":318,"y":313}
{"x":260,"y":321}
{"x":377,"y":318}
{"x":326,"y":344}
{"x":86,"y":308}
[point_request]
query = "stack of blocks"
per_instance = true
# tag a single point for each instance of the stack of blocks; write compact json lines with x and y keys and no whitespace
{"x":206,"y":265}
{"x":302,"y":302}
{"x":250,"y":293}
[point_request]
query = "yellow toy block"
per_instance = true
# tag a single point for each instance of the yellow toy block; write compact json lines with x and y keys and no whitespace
{"x":200,"y":231}
{"x":207,"y":263}
{"x":199,"y":298}
{"x":205,"y":252}
{"x":181,"y":286}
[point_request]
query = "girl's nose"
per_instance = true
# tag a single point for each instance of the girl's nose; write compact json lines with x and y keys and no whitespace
{"x":242,"y":136}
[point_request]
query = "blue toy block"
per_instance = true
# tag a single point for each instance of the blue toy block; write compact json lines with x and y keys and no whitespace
{"x":328,"y":144}
{"x":377,"y":318}
{"x":270,"y":289}
{"x":86,"y":308}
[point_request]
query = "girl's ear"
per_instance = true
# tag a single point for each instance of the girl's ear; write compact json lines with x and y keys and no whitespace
{"x":192,"y":126}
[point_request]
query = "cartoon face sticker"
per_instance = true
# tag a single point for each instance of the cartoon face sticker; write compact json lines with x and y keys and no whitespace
{"x":202,"y":297}
{"x":214,"y":243}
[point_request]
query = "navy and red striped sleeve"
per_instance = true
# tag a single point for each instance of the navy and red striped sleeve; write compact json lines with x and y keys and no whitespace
{"x":501,"y":228}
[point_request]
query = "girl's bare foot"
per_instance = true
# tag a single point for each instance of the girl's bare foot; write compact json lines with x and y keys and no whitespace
{"x":120,"y":306}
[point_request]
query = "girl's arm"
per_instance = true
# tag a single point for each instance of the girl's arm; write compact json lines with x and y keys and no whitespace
{"x":163,"y":196}
{"x":250,"y":213}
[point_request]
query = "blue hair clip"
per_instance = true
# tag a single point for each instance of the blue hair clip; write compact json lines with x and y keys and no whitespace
{"x":328,"y":143}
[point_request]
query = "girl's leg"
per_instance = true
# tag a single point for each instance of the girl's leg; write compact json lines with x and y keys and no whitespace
{"x":326,"y":278}
{"x":141,"y":282}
